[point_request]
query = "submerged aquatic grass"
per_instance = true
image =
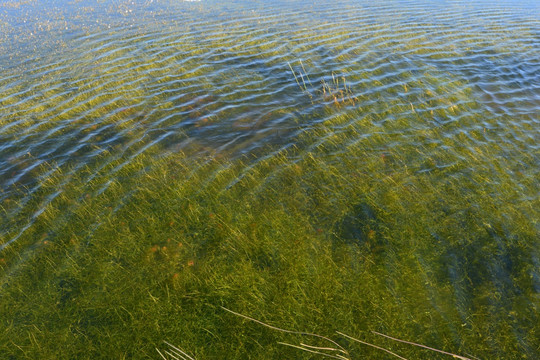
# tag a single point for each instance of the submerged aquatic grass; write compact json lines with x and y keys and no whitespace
{"x":349,"y":176}
{"x":354,"y":240}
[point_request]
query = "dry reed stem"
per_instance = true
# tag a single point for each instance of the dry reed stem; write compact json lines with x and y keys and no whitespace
{"x":341,"y":348}
{"x":372,"y":345}
{"x":176,"y":354}
{"x":162,"y":356}
{"x":422,"y":346}
{"x":306,"y":348}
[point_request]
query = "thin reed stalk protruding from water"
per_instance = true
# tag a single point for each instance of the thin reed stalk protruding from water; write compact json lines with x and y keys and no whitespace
{"x":339,"y":93}
{"x":175,"y":353}
{"x":295,"y":78}
{"x":337,"y":349}
{"x":305,"y":72}
{"x":422,"y":346}
{"x":304,"y":86}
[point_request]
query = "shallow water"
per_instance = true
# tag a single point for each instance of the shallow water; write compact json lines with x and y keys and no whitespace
{"x":79,"y":80}
{"x":450,"y":90}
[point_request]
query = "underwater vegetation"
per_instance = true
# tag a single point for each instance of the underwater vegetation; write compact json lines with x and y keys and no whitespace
{"x":211,"y":183}
{"x":311,"y":237}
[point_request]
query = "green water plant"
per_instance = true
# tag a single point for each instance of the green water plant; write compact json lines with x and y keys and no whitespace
{"x":337,"y":233}
{"x":372,"y":191}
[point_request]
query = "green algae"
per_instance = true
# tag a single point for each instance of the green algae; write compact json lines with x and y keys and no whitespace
{"x":393,"y":200}
{"x":364,"y":238}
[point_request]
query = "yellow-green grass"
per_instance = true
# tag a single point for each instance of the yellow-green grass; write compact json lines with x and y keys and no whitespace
{"x":340,"y":232}
{"x":398,"y":204}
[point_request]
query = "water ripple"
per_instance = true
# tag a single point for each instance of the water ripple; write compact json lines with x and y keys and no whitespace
{"x":221,"y":76}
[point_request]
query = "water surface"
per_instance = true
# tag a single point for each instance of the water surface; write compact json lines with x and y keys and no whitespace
{"x":421,"y":119}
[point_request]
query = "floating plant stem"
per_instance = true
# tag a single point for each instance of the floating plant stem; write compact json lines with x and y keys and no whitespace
{"x":339,"y":347}
{"x":422,"y":346}
{"x":372,"y":345}
{"x":310,"y":349}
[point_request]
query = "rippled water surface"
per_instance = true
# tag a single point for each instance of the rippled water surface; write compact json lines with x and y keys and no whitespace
{"x":232,"y":77}
{"x":423,"y":118}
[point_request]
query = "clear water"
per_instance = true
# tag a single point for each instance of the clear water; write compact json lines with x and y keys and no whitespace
{"x":451,"y":89}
